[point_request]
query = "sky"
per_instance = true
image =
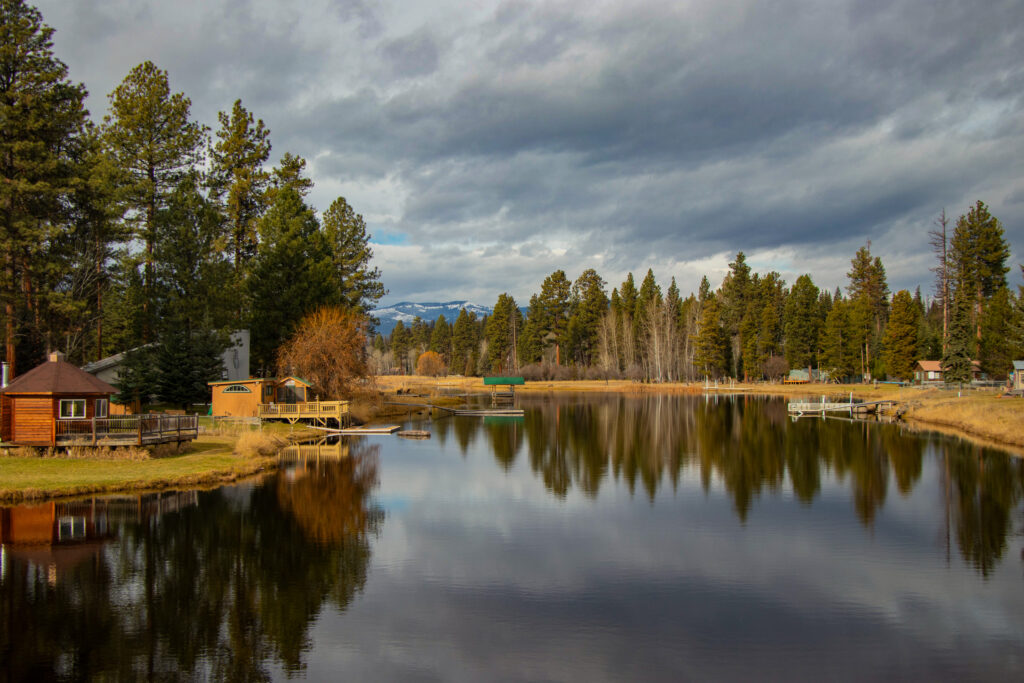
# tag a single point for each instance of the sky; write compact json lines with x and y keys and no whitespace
{"x":488,"y":144}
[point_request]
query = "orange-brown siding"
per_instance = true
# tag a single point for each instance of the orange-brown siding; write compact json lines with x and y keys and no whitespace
{"x":32,"y":419}
{"x":234,"y":404}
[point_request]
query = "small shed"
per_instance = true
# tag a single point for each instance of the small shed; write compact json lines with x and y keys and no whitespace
{"x":1018,"y":375}
{"x":242,"y":398}
{"x":32,"y":404}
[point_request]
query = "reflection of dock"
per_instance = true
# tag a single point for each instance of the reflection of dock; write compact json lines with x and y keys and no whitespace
{"x":464,"y":412}
{"x":322,"y":450}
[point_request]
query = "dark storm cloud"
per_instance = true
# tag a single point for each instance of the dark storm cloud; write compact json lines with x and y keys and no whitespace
{"x":615,"y":136}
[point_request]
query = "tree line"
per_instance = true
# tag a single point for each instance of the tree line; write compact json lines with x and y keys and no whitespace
{"x":753,"y":326}
{"x":149,"y":230}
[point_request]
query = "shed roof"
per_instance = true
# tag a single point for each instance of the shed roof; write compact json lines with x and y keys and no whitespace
{"x":57,"y":377}
{"x":1018,"y":365}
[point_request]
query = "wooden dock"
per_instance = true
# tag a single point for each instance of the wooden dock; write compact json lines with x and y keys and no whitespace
{"x":850,"y":408}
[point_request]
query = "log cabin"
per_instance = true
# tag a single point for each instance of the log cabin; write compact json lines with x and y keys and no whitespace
{"x":32,"y":405}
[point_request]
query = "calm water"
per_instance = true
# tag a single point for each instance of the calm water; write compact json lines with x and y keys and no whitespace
{"x":599,"y":538}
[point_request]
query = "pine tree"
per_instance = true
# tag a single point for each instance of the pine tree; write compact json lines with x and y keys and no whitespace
{"x":359,"y":286}
{"x":441,"y":340}
{"x":588,"y":302}
{"x":553,"y":311}
{"x":869,"y":292}
{"x":959,"y":343}
{"x":900,"y":341}
{"x":978,"y":255}
{"x":711,"y":348}
{"x":238,"y":179}
{"x":464,"y":342}
{"x":503,"y":328}
{"x":292,"y":274}
{"x":802,"y":322}
{"x":999,"y":326}
{"x":400,"y":345}
{"x":42,"y":114}
{"x":154,"y":144}
{"x":839,"y":346}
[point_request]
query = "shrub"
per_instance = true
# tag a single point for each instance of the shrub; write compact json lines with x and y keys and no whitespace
{"x":430,"y":364}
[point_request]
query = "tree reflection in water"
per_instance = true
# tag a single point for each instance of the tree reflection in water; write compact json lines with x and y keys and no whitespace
{"x":220,"y":590}
{"x":751,"y":446}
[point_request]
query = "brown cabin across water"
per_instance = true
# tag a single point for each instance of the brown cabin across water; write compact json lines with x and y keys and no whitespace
{"x":31,"y":404}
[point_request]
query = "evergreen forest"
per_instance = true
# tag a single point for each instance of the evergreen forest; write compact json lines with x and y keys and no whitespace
{"x":754,"y":326}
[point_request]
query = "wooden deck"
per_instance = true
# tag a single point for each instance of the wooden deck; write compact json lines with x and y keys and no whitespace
{"x":316,"y":412}
{"x":127,"y":430}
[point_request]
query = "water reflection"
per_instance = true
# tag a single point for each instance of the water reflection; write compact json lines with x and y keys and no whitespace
{"x":222,"y":584}
{"x":751,"y":447}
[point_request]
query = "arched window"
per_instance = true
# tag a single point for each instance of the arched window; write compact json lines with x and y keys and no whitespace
{"x":237,"y":389}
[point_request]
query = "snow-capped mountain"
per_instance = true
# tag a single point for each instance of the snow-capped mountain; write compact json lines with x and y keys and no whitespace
{"x":407,"y":311}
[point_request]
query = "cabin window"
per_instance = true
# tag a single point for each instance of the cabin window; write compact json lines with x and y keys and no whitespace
{"x":101,"y":407}
{"x":237,"y":389}
{"x":72,"y":408}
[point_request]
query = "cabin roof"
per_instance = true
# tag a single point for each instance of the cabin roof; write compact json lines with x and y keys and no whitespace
{"x":1018,"y":365}
{"x":57,"y":377}
{"x":274,"y":380}
{"x":936,"y":365}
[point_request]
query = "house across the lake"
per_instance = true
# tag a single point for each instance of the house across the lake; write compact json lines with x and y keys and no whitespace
{"x":930,"y":371}
{"x":1017,"y":376}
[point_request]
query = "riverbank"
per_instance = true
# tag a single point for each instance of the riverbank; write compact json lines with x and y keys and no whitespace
{"x":210,"y":461}
{"x":979,"y":414}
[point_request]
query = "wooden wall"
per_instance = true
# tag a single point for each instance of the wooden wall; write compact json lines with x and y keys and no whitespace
{"x":32,"y":419}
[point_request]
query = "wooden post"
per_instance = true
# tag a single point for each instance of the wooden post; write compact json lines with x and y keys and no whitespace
{"x":140,"y":430}
{"x":94,"y":429}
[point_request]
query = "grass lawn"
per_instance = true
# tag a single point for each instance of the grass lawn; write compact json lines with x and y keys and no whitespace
{"x":209,"y":461}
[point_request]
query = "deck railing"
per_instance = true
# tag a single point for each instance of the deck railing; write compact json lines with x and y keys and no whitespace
{"x":310,"y":409}
{"x":129,"y":428}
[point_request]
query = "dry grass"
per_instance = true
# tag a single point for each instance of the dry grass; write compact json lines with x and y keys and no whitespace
{"x":993,"y":419}
{"x":258,"y":444}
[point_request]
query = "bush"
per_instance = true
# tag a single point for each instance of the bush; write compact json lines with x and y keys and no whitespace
{"x":430,"y":364}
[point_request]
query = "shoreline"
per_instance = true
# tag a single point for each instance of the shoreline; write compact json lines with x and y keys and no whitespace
{"x":978,"y":416}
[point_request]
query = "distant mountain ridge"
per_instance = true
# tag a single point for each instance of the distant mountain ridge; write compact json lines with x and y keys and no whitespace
{"x":407,"y":311}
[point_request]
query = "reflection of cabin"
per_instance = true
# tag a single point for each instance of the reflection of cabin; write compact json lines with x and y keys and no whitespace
{"x":35,"y":404}
{"x":60,"y":535}
{"x":930,"y":371}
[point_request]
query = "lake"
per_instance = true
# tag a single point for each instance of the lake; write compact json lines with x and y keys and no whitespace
{"x":598,"y":538}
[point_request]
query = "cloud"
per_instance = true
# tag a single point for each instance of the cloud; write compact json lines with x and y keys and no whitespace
{"x":616,"y":136}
